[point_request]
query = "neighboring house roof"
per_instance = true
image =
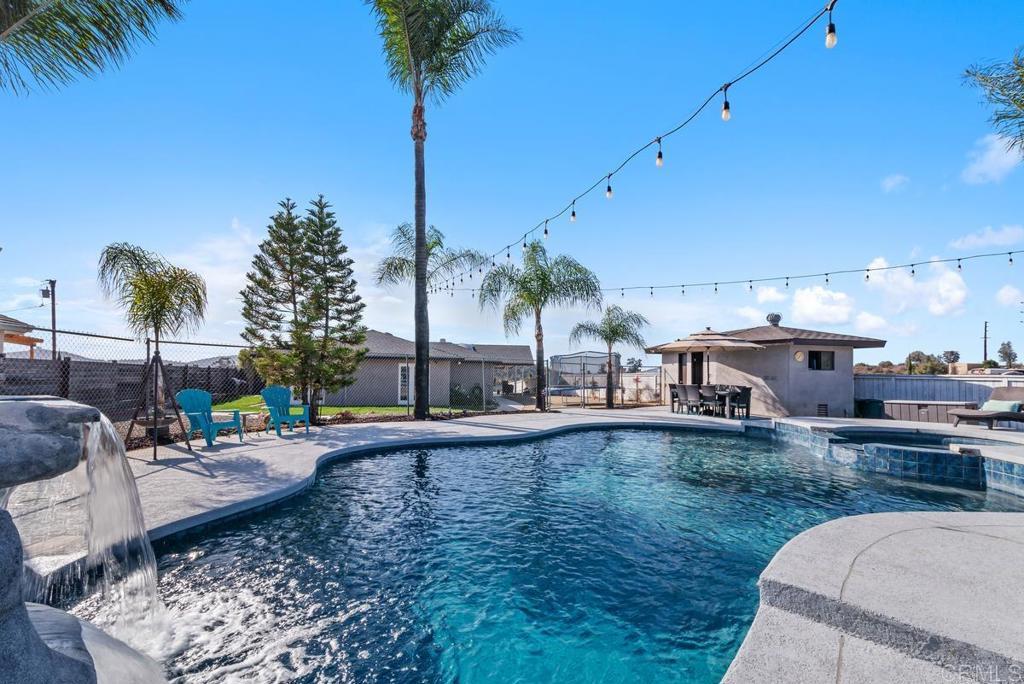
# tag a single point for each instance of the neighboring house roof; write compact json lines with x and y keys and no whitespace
{"x":13,"y":325}
{"x":774,"y":333}
{"x":509,"y":354}
{"x":382,"y":345}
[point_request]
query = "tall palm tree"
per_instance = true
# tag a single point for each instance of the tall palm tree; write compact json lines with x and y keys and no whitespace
{"x":443,"y":262}
{"x":432,"y":47}
{"x":47,"y":43}
{"x":524,"y":291}
{"x":158,"y":298}
{"x":617,"y":326}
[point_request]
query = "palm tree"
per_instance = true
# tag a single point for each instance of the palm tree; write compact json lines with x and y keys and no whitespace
{"x":157,"y":297}
{"x":443,"y":262}
{"x":432,"y":47}
{"x":1003,"y":85}
{"x":617,"y":326}
{"x":528,"y":289}
{"x":48,"y":43}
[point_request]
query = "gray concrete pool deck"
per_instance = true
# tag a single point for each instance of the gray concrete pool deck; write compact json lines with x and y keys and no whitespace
{"x":900,"y":597}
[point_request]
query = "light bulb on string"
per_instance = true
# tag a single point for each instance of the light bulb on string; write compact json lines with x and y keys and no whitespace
{"x":682,"y":290}
{"x":1010,"y":254}
{"x":787,"y":281}
{"x":716,"y":288}
{"x":830,"y":31}
{"x":508,"y":253}
{"x":726,"y":112}
{"x":867,"y":274}
{"x":545,"y":229}
{"x":750,"y":286}
{"x":572,"y":215}
{"x":912,"y":271}
{"x":608,"y":190}
{"x":826,"y":280}
{"x":622,"y":293}
{"x":959,"y":266}
{"x":659,"y":161}
{"x":652,"y":293}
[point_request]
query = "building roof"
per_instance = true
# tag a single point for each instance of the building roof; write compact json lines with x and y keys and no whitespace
{"x":510,"y":354}
{"x":774,"y":333}
{"x":382,"y":345}
{"x":8,"y":324}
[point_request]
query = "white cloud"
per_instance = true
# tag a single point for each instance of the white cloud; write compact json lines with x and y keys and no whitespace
{"x":938,"y":288}
{"x":868,"y":322}
{"x":990,"y":161}
{"x":817,"y":305}
{"x":768,"y":293}
{"x":990,"y":237}
{"x":750,"y":314}
{"x":894,"y":181}
{"x":1008,"y":295}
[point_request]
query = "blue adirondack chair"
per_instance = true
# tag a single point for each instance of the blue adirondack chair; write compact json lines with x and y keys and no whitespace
{"x":197,"y":405}
{"x":278,"y":401}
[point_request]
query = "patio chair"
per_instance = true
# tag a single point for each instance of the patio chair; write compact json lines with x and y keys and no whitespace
{"x":741,"y":401}
{"x":709,"y":399}
{"x":279,"y":403}
{"x":691,"y":395}
{"x":676,"y":398}
{"x":197,"y":405}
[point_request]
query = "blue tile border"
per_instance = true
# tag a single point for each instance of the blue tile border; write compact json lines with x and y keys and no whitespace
{"x":923,"y":464}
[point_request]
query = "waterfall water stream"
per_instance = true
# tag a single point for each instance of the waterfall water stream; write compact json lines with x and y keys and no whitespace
{"x":84,"y":533}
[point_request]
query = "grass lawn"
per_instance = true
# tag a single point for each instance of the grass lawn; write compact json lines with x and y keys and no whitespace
{"x":254,"y":402}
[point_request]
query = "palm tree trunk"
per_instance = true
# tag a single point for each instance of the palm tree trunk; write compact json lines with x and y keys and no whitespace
{"x":538,"y":333}
{"x":609,"y":399}
{"x":421,"y":381}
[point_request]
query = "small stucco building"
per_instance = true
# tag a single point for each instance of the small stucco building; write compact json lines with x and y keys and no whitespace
{"x":457,"y":371}
{"x":798,"y":372}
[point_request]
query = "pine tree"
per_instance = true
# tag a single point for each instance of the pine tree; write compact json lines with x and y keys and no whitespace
{"x":332,"y":311}
{"x":272,"y":302}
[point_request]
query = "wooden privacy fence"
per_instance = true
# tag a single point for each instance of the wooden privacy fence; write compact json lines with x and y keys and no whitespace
{"x":976,"y":388}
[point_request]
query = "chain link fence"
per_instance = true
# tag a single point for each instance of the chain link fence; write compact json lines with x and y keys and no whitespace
{"x":581,"y":380}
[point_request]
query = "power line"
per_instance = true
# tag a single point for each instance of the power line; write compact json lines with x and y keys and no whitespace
{"x":758,"y":64}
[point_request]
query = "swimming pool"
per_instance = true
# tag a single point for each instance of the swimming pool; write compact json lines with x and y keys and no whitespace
{"x":599,"y":556}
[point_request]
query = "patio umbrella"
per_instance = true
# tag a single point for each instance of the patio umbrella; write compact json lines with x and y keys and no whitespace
{"x":706,"y":340}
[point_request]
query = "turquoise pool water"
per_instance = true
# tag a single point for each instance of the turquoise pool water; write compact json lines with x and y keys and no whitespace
{"x":606,"y":556}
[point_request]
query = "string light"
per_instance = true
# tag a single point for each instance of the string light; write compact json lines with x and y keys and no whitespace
{"x":716,"y":288}
{"x":867,"y":274}
{"x":781,"y":46}
{"x":622,"y":293}
{"x":830,"y":32}
{"x":1010,"y":254}
{"x":959,"y":266}
{"x":508,"y":253}
{"x":750,"y":286}
{"x":787,"y":281}
{"x":545,"y":229}
{"x":682,"y":290}
{"x":826,"y":280}
{"x":652,"y":293}
{"x":912,"y":272}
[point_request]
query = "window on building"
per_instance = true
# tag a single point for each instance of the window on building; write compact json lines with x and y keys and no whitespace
{"x":821,"y":360}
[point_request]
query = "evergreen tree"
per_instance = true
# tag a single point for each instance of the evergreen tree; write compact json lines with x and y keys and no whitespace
{"x":273,"y":299}
{"x":332,"y":311}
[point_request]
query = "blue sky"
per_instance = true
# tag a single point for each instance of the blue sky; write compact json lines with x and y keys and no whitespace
{"x":833,"y":159}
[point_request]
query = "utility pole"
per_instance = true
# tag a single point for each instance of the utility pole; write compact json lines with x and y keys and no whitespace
{"x":984,"y":338}
{"x":50,"y":293}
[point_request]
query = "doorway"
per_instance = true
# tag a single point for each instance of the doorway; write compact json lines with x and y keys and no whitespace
{"x":696,"y":368}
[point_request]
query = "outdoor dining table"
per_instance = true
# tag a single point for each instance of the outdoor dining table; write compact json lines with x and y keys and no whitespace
{"x":728,"y":393}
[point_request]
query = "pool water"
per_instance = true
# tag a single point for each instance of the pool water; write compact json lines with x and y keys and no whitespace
{"x":602,"y":556}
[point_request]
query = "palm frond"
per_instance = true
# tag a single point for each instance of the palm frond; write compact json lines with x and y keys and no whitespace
{"x":1003,"y":85}
{"x":585,"y":330}
{"x":48,"y":43}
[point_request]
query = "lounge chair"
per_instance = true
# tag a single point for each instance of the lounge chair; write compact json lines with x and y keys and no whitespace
{"x":279,"y":403}
{"x":990,"y":416}
{"x":197,"y":405}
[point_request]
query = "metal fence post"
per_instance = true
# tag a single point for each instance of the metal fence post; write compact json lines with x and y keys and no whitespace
{"x":483,"y":387}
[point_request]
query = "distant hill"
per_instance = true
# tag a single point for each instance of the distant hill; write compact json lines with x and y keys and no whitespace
{"x":211,"y":362}
{"x":45,"y":354}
